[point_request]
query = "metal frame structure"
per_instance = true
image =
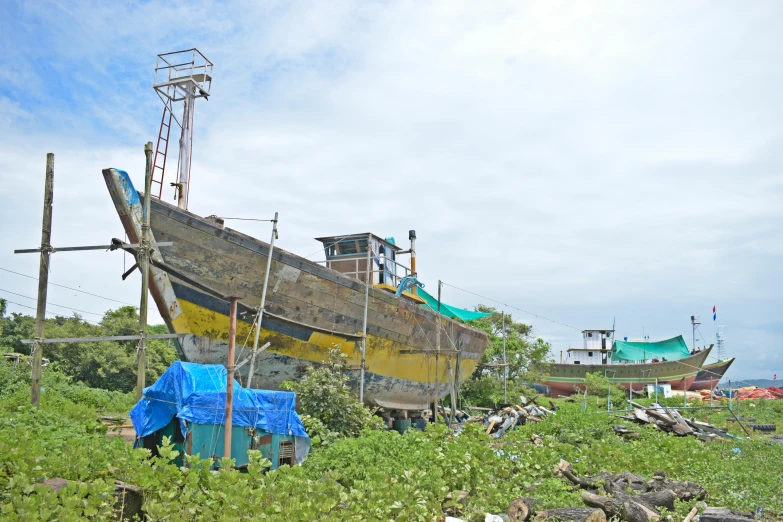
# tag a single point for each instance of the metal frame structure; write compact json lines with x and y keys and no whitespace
{"x":142,"y":251}
{"x":180,"y":76}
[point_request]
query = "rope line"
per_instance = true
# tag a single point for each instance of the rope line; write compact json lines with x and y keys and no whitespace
{"x":68,"y":287}
{"x":51,"y":303}
{"x":48,"y":311}
{"x":514,"y":307}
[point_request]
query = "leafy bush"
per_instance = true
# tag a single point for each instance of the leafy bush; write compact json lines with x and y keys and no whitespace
{"x":599,"y":385}
{"x":377,"y":476}
{"x":109,"y":365}
{"x":324,"y":395}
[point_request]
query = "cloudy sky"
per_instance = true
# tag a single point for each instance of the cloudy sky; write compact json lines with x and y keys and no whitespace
{"x":580,"y":161}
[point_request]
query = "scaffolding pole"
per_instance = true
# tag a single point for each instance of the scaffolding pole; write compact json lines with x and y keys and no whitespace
{"x":43,"y":281}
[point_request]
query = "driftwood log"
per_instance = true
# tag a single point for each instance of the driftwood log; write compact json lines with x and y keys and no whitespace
{"x":128,"y":498}
{"x":632,"y":498}
{"x":721,"y":515}
{"x":571,"y":515}
{"x":624,"y":507}
{"x":521,"y":509}
{"x":685,"y":491}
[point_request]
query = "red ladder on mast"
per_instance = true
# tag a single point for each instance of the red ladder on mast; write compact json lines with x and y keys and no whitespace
{"x":161,"y":150}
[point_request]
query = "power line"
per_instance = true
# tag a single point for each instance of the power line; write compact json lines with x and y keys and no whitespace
{"x":53,"y":304}
{"x":48,"y":312}
{"x":514,"y":307}
{"x":68,"y":287}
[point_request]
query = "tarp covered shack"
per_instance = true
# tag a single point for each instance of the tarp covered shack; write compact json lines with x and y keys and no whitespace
{"x":188,"y":404}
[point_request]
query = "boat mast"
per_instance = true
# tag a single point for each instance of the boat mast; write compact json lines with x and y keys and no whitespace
{"x":180,"y":76}
{"x":695,"y":322}
{"x":721,"y":342}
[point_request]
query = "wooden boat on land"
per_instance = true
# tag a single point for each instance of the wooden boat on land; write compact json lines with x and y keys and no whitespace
{"x":626,"y":364}
{"x":309,"y":310}
{"x":710,"y":375}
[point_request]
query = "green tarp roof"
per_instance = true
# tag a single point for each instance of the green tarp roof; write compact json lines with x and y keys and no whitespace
{"x":450,"y":311}
{"x":673,"y":349}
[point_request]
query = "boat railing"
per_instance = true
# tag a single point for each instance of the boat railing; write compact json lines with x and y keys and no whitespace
{"x":359,"y":272}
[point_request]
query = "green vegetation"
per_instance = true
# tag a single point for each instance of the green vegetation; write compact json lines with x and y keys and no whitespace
{"x":601,"y":386}
{"x":355,"y":473}
{"x":329,"y":408}
{"x":525,"y":354}
{"x":378,"y":476}
{"x":110,"y":365}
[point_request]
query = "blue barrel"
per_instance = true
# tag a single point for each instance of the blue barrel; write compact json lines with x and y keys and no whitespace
{"x":420,"y":424}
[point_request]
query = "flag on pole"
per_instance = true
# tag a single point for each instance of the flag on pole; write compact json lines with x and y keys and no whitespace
{"x":714,"y":314}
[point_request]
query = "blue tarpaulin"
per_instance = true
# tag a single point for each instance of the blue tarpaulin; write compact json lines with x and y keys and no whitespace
{"x":197,"y":393}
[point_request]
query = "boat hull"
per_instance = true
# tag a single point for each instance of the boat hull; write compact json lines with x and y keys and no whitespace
{"x":709,"y":376}
{"x":309,"y":310}
{"x":566,"y":379}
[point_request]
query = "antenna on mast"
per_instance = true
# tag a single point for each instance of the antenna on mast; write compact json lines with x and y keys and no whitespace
{"x":180,"y":76}
{"x":695,"y":322}
{"x":720,"y":342}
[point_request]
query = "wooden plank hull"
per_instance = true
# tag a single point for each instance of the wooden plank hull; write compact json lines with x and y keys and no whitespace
{"x":709,"y":376}
{"x":309,"y":310}
{"x":565,"y":379}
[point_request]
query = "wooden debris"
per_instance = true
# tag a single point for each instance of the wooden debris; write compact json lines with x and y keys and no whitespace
{"x":721,"y":515}
{"x":630,"y":497}
{"x":670,"y":420}
{"x":691,"y":514}
{"x":625,"y":432}
{"x":571,"y":515}
{"x":456,"y":506}
{"x":521,"y":509}
{"x":128,"y":502}
{"x":505,"y":419}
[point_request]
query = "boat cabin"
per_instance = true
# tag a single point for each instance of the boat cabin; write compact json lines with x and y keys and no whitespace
{"x":348,"y":254}
{"x":597,"y":348}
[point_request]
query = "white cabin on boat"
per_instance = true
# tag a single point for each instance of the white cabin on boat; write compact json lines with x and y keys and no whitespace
{"x":597,"y":348}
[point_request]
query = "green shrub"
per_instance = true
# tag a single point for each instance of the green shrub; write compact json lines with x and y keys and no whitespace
{"x":324,"y":395}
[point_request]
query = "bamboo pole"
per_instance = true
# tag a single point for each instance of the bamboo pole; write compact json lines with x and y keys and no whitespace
{"x":144,"y":268}
{"x":260,"y":316}
{"x":230,"y":366}
{"x":43,"y":281}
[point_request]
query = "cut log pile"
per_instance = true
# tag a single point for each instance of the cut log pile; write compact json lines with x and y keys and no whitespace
{"x":670,"y":420}
{"x":504,"y":419}
{"x":632,"y":498}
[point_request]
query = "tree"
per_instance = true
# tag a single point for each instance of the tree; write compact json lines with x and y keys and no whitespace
{"x":2,"y":307}
{"x":323,"y":394}
{"x":107,"y":364}
{"x":525,"y":354}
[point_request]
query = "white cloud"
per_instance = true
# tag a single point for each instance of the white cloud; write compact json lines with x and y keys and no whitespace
{"x":580,"y":161}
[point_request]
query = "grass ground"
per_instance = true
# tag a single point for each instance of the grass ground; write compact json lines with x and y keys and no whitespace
{"x":378,"y":476}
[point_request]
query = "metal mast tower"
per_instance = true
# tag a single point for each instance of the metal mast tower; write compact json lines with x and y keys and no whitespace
{"x":180,"y":76}
{"x":720,"y":342}
{"x":695,"y":321}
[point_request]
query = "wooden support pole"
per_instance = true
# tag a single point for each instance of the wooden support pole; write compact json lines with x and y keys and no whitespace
{"x":43,"y":280}
{"x":144,"y":268}
{"x":260,"y":316}
{"x":230,"y":366}
{"x":412,"y":238}
{"x":505,"y":368}
{"x":437,"y":355}
{"x":453,"y":393}
{"x":367,"y":276}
